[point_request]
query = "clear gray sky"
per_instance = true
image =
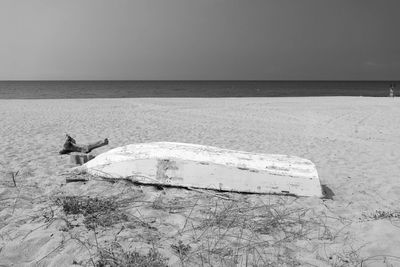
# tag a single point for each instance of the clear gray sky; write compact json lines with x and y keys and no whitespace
{"x":200,"y":39}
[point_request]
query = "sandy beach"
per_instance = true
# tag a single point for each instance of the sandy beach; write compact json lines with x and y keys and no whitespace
{"x":353,"y":141}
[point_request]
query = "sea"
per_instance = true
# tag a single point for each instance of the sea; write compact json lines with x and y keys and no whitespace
{"x":137,"y":89}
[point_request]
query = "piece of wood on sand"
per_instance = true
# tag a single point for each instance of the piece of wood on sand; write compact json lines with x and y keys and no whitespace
{"x":80,"y":158}
{"x":75,"y":179}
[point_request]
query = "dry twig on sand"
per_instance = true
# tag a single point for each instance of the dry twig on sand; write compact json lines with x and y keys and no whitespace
{"x":13,"y":176}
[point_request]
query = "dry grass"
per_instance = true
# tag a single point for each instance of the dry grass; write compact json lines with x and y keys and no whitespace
{"x":242,"y":230}
{"x":241,"y":233}
{"x":115,"y":255}
{"x":382,"y":214}
{"x":96,"y":211}
{"x":237,"y":230}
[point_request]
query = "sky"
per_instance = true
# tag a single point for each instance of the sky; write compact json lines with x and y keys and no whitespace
{"x":199,"y":40}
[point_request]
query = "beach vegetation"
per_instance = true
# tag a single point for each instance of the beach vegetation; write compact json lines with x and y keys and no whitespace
{"x":96,"y":211}
{"x":115,"y":256}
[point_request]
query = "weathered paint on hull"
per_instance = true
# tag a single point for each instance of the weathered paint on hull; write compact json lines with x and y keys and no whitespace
{"x":208,"y":167}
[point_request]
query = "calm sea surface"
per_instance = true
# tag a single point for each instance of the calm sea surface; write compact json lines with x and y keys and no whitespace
{"x":126,"y":89}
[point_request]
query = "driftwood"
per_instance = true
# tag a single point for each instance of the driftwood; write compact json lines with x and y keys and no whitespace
{"x":70,"y":145}
{"x":80,"y":158}
{"x":72,"y":180}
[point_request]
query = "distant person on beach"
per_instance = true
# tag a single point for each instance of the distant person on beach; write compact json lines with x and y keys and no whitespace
{"x":70,"y":145}
{"x":391,"y":90}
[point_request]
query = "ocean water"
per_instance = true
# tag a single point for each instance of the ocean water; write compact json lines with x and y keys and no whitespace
{"x":129,"y":89}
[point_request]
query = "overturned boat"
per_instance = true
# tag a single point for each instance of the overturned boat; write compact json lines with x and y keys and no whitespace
{"x":197,"y":166}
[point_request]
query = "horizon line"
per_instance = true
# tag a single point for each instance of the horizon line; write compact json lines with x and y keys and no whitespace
{"x":194,"y":80}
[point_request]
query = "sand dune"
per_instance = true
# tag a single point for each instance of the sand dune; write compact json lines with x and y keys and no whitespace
{"x":354,"y":142}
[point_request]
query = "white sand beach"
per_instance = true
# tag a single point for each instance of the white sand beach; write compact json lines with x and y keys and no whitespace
{"x":353,"y":141}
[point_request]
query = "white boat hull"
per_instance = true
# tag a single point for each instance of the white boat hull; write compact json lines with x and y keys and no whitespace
{"x":198,"y":166}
